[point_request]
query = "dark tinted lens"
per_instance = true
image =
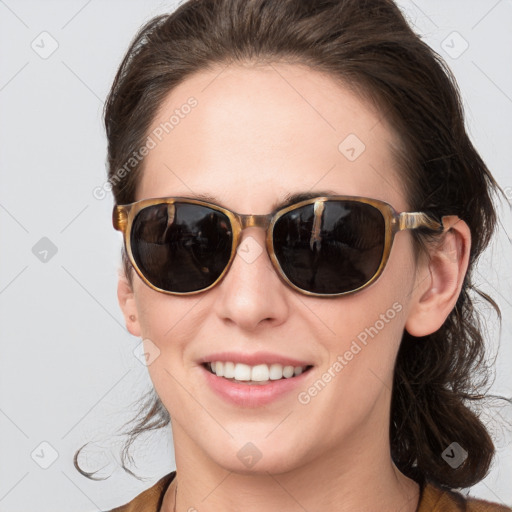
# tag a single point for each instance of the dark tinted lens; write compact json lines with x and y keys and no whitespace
{"x":181,"y":247}
{"x":339,"y":253}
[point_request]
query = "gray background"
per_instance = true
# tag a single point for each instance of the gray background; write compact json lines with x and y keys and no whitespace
{"x":68,"y":373}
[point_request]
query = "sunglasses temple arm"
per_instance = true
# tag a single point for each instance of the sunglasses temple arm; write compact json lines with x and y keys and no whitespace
{"x":119,"y":218}
{"x":415,"y":220}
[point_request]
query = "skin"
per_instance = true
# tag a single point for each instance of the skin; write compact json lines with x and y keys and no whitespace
{"x":258,"y":133}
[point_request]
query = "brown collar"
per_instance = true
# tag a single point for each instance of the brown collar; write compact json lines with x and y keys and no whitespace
{"x":432,"y":499}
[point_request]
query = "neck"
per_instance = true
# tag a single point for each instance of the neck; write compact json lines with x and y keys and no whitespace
{"x":360,"y":476}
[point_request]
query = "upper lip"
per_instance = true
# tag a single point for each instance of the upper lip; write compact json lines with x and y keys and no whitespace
{"x":254,"y":359}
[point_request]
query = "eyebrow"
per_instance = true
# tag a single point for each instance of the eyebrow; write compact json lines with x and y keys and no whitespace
{"x":287,"y":200}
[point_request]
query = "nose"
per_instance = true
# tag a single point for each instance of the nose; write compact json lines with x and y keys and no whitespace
{"x":251,"y":293}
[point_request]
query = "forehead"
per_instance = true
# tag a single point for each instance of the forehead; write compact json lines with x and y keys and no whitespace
{"x":245,"y":130}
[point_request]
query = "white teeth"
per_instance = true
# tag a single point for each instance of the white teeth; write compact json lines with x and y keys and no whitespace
{"x":275,"y":371}
{"x":259,"y":373}
{"x":242,"y":372}
{"x":288,"y":371}
{"x":229,"y":369}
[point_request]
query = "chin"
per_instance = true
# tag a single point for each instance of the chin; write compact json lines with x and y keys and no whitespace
{"x":258,"y":457}
{"x":264,"y":466}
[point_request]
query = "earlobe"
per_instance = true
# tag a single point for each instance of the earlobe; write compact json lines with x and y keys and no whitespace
{"x":128,"y":305}
{"x":439,"y":279}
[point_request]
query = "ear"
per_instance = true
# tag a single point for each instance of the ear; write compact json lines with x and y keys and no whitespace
{"x":128,"y":305}
{"x":439,"y":278}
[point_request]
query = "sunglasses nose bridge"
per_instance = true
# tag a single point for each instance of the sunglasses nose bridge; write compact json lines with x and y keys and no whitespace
{"x":254,"y":221}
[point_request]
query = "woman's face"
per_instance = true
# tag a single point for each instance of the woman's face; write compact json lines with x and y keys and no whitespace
{"x":256,"y":135}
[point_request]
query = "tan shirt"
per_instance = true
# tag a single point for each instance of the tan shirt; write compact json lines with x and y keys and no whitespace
{"x":432,"y":499}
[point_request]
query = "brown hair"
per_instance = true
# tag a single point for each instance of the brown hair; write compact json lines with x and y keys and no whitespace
{"x":368,"y":46}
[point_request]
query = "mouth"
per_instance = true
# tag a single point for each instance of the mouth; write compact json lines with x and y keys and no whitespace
{"x":258,"y":375}
{"x":253,"y":380}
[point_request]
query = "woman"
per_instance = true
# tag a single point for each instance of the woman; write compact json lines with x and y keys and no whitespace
{"x":313,"y":348}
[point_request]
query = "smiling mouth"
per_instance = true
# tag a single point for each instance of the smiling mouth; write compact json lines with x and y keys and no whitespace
{"x":257,"y":374}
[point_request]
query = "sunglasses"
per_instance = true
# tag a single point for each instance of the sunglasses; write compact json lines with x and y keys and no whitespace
{"x":324,"y":246}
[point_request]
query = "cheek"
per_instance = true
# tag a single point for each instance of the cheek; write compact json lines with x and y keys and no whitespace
{"x":367,"y":336}
{"x":355,"y":381}
{"x":152,"y":312}
{"x":167,"y":325}
{"x":367,"y":327}
{"x":167,"y":321}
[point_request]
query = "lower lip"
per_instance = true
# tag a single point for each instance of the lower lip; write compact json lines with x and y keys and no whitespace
{"x":252,"y":395}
